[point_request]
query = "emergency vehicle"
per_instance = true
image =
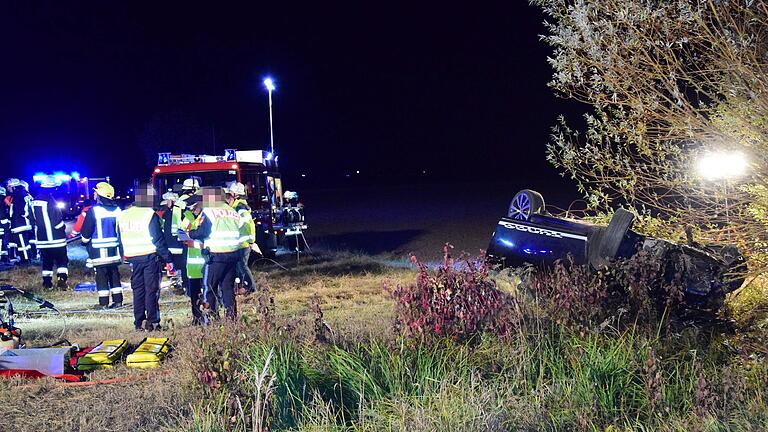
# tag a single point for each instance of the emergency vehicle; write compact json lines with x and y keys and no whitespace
{"x":72,"y":192}
{"x":256,"y":169}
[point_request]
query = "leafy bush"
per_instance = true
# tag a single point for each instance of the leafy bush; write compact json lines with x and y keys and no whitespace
{"x":458,"y":300}
{"x":627,"y":292}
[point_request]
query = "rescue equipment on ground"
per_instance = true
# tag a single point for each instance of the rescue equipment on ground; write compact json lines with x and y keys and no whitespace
{"x":37,"y":363}
{"x":149,"y":353}
{"x":103,"y":355}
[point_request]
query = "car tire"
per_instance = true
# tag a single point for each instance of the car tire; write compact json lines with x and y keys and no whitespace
{"x":525,"y":204}
{"x":604,"y":245}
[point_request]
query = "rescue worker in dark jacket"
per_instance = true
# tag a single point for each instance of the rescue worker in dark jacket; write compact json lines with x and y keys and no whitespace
{"x":177,"y":248}
{"x":236,"y":199}
{"x":143,"y":245}
{"x":219,"y":230}
{"x":51,"y":236}
{"x":5,"y":227}
{"x":21,"y":217}
{"x":100,"y":235}
{"x":194,"y":259}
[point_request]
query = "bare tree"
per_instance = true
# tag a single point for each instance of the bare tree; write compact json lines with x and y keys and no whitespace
{"x":667,"y":81}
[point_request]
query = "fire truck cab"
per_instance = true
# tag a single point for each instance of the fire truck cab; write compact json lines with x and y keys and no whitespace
{"x":256,"y":169}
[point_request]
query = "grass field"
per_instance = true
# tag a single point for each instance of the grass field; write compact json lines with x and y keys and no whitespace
{"x":283,"y":369}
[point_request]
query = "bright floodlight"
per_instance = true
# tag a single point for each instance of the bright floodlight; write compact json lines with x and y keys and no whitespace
{"x":722,"y":165}
{"x":269,"y":84}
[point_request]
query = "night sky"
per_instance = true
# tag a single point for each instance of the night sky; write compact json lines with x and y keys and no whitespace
{"x":390,"y":90}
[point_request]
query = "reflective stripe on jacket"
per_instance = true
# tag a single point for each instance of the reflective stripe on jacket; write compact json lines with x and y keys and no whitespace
{"x":134,"y":232}
{"x":225,"y":229}
{"x":49,"y":223}
{"x":247,"y":226}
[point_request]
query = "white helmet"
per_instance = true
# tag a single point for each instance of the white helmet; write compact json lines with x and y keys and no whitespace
{"x":236,"y":188}
{"x":190,"y":183}
{"x":170,"y":196}
{"x":290,"y":195}
{"x":13,"y":182}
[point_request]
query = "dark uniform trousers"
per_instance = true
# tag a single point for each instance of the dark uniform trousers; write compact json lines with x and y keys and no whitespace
{"x":180,"y":265}
{"x":55,"y":260}
{"x":146,"y":274}
{"x":195,"y":291}
{"x":220,"y":282}
{"x":108,"y":278}
{"x":6,"y":228}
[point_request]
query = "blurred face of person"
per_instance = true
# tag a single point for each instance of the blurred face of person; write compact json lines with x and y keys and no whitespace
{"x":145,"y":196}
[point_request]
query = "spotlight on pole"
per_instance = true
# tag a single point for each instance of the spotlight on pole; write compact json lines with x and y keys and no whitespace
{"x":722,"y":165}
{"x":269,"y":84}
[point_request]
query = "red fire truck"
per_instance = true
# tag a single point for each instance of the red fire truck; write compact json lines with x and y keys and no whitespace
{"x":256,"y":169}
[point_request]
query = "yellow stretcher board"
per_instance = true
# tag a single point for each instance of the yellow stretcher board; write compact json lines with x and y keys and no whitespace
{"x":149,"y":353}
{"x":103,"y":355}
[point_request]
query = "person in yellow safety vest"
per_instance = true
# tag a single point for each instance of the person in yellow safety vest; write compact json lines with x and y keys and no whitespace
{"x":171,"y":220}
{"x":143,"y":245}
{"x":100,"y":236}
{"x":219,"y":230}
{"x":194,"y":258}
{"x":235,"y":193}
{"x":188,"y":188}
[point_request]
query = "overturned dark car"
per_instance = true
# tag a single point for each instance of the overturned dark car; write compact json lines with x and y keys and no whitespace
{"x":530,"y":236}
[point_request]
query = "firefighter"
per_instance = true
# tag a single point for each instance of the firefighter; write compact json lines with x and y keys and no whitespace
{"x":219,"y":230}
{"x":5,"y":227}
{"x":188,"y":188}
{"x":143,"y":245}
{"x":235,"y":194}
{"x":21,"y":222}
{"x":100,"y":235}
{"x":170,"y":232}
{"x":33,"y":232}
{"x":51,"y":236}
{"x":194,"y":258}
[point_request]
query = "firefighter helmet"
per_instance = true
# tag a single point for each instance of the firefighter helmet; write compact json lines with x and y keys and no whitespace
{"x":104,"y":190}
{"x":236,"y":188}
{"x":13,"y":182}
{"x":190,"y":183}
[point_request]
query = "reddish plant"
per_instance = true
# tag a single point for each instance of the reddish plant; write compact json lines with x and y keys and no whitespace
{"x":458,"y":300}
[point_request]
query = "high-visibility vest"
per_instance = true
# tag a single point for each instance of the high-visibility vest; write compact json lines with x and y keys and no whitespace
{"x":134,"y":232}
{"x":104,"y":239}
{"x":225,"y":229}
{"x":195,"y":260}
{"x":177,"y":211}
{"x":247,"y":226}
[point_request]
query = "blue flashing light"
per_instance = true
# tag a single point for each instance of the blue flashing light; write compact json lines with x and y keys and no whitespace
{"x":230,"y":155}
{"x":163,"y":158}
{"x":61,"y":177}
{"x":269,"y":83}
{"x":507,"y":243}
{"x":267,"y":156}
{"x":39,"y":177}
{"x":75,"y":175}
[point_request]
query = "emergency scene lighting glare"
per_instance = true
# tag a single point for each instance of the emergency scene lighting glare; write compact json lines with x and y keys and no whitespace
{"x":269,"y":84}
{"x":722,"y":165}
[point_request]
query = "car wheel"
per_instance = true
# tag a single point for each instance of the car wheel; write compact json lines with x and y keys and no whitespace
{"x":525,"y":204}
